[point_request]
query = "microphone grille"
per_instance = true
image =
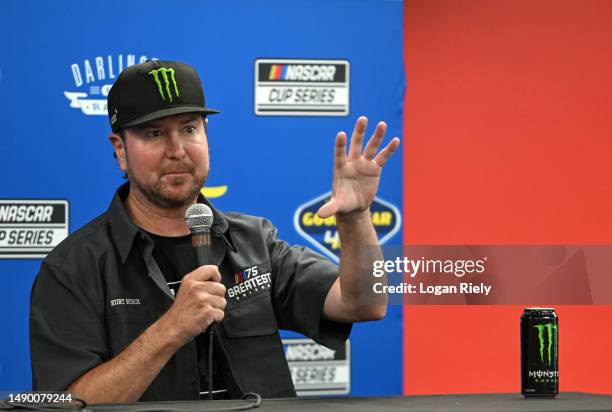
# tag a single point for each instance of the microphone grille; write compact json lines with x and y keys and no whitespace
{"x":198,"y":218}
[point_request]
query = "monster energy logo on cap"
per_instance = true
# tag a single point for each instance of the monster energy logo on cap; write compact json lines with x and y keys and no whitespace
{"x":153,"y":90}
{"x":551,"y":336}
{"x":167,"y":75}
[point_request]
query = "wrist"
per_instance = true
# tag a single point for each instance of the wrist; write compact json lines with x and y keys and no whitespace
{"x":165,"y":328}
{"x":354,"y":216}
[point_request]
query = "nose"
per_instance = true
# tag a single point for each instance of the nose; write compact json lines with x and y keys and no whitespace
{"x":174,"y":146}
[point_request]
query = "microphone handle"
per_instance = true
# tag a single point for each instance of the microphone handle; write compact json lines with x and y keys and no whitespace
{"x":201,"y":245}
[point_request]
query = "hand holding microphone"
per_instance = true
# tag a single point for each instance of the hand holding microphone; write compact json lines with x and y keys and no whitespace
{"x":200,"y":300}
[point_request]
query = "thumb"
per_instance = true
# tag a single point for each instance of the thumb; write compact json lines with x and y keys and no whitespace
{"x":328,"y":209}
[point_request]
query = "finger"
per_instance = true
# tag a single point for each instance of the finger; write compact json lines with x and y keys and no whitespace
{"x":214,"y":302}
{"x":217,"y":315}
{"x":340,"y":150}
{"x":384,"y":155}
{"x":214,"y":288}
{"x":357,"y":138}
{"x":212,"y":316}
{"x":328,"y":209}
{"x":207,"y":272}
{"x":374,"y":142}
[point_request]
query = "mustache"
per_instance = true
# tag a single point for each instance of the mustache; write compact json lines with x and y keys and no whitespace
{"x":177,"y":168}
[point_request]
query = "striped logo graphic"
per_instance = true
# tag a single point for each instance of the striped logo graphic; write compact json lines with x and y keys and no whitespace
{"x":240,"y":277}
{"x":277,"y":72}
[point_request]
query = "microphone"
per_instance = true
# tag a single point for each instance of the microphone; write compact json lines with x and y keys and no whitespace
{"x":199,"y":219}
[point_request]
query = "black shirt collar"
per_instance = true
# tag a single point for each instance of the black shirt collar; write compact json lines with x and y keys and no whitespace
{"x":123,"y":230}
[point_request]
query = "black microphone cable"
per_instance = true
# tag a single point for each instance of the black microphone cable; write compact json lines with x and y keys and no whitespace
{"x":211,"y":339}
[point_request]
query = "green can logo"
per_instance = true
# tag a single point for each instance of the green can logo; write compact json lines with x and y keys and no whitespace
{"x":547,"y":338}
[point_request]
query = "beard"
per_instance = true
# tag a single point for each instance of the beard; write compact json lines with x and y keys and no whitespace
{"x":158,"y":194}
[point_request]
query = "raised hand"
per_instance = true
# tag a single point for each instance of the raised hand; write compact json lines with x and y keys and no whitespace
{"x":357,"y":174}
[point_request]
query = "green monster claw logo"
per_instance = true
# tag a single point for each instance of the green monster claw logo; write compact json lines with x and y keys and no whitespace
{"x":549,"y":327}
{"x":164,"y":74}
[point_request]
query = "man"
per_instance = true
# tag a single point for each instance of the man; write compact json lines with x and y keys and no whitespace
{"x":109,"y":322}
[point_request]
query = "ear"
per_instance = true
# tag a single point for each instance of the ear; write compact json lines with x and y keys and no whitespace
{"x":119,"y":146}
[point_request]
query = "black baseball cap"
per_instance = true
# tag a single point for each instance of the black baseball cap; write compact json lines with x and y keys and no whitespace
{"x":155,"y":89}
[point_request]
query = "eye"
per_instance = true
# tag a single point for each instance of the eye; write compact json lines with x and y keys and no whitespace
{"x":152,"y":134}
{"x":190,"y":129}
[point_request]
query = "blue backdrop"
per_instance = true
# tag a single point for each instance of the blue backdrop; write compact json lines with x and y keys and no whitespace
{"x":270,"y":165}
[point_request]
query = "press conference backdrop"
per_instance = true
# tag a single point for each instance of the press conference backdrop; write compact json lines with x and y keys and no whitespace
{"x":271,"y":146}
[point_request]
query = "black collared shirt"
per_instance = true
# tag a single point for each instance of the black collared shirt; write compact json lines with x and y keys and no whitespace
{"x":101,"y":288}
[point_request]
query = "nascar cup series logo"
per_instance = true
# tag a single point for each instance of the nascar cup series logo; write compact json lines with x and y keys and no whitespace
{"x":322,"y":233}
{"x":93,"y":79}
{"x":317,"y":370}
{"x":31,"y":228}
{"x":285,"y":87}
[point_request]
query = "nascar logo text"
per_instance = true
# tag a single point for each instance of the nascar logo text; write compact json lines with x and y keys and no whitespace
{"x":317,"y":370}
{"x":31,"y":228}
{"x":301,"y":87}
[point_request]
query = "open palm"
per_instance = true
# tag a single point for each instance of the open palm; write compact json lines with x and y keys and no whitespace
{"x":357,"y":174}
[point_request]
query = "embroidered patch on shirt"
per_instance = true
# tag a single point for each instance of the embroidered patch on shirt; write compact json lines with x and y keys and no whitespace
{"x":248,"y":282}
{"x":125,"y":301}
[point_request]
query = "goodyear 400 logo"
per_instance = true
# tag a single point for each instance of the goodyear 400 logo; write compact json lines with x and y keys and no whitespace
{"x":322,"y":233}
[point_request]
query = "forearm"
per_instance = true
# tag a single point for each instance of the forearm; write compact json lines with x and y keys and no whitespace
{"x":356,"y":177}
{"x":125,"y":377}
{"x":359,"y":249}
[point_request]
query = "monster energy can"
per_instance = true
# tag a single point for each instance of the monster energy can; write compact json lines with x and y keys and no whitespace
{"x":539,"y":353}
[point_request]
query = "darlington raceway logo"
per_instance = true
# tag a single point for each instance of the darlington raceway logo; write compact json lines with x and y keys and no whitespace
{"x":322,"y":233}
{"x":93,"y":79}
{"x":317,"y":370}
{"x":286,"y":87}
{"x":31,"y":228}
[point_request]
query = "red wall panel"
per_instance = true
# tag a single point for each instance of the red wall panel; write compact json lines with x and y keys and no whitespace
{"x":507,"y":139}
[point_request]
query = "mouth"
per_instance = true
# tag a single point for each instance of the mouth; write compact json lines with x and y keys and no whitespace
{"x":176,"y":173}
